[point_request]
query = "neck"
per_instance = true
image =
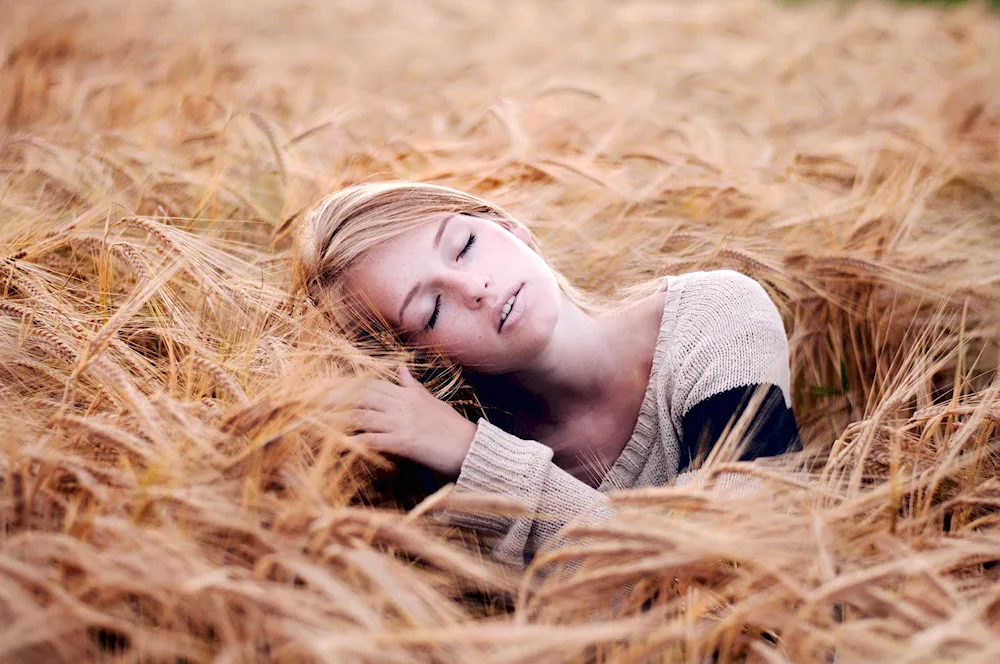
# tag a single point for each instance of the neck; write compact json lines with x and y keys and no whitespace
{"x":573,"y":369}
{"x":586,"y":364}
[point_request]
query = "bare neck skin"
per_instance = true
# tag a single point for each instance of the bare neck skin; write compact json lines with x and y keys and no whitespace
{"x":589,"y":382}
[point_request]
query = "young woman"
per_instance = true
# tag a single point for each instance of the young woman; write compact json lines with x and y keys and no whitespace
{"x":604,"y":399}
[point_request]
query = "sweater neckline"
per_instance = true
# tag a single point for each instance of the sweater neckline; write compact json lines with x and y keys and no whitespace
{"x":629,"y":464}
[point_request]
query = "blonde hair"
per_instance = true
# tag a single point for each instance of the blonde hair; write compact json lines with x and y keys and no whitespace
{"x":347,"y":224}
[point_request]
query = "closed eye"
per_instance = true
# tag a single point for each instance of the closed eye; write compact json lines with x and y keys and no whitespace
{"x":434,"y":316}
{"x":468,"y":245}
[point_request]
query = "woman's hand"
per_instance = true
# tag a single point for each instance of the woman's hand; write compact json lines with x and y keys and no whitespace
{"x":408,"y":420}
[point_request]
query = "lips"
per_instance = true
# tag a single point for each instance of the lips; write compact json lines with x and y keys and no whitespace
{"x":497,"y":312}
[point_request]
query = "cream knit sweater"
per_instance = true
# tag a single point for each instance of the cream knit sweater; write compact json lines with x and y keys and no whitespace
{"x":719,"y":331}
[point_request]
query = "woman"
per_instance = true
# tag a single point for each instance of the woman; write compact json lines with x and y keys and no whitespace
{"x":604,"y":399}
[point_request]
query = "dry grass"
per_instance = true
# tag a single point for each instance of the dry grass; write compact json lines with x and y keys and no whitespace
{"x":172,"y":487}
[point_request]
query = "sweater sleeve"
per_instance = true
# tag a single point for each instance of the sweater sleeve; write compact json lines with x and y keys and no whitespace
{"x":501,"y":464}
{"x":730,"y":373}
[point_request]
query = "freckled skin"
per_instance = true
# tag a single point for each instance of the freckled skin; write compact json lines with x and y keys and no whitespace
{"x":469,"y":285}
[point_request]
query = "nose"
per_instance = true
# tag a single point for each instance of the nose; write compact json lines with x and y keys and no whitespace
{"x":472,"y":290}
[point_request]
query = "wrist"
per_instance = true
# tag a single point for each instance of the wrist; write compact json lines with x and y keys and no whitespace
{"x":464,"y":435}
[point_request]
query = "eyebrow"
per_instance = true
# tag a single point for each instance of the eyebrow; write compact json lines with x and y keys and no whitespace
{"x":416,"y":287}
{"x":444,"y":224}
{"x":406,"y":301}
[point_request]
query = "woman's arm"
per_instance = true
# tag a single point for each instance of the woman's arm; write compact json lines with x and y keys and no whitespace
{"x":730,"y":388}
{"x":407,"y":420}
{"x":502,"y":464}
{"x":769,"y":421}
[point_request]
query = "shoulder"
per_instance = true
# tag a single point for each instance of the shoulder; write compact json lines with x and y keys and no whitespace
{"x":719,"y":289}
{"x":727,"y":333}
{"x":722,"y":303}
{"x":719,"y":303}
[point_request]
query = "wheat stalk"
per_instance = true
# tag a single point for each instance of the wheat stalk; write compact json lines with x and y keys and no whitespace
{"x":145,"y":520}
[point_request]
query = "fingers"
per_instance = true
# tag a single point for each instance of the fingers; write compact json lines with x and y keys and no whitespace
{"x":406,"y":379}
{"x":367,"y":394}
{"x":380,"y":389}
{"x":381,"y":442}
{"x":364,"y":420}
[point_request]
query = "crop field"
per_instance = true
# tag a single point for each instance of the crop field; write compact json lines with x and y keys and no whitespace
{"x":173,"y":485}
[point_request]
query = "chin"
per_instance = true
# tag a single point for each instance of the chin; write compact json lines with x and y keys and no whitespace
{"x":516,"y":352}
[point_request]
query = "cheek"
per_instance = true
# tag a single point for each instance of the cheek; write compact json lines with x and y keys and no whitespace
{"x":464,"y":340}
{"x":467,"y":344}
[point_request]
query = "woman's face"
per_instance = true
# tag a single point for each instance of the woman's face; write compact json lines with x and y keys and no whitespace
{"x":467,"y":286}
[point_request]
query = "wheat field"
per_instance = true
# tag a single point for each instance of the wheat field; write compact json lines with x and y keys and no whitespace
{"x":173,"y":487}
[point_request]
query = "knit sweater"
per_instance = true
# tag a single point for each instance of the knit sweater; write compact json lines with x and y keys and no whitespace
{"x":720,"y":335}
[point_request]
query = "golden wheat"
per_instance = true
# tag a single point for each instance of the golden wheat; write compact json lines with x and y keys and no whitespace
{"x":175,"y":484}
